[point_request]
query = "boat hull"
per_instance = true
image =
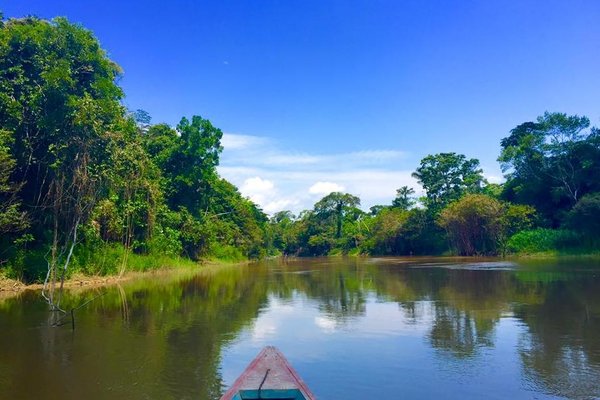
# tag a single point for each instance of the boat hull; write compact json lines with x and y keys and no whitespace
{"x":269,"y":376}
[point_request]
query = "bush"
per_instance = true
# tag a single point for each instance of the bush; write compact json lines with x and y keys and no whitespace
{"x":543,"y":240}
{"x":585,"y":216}
{"x":227,"y":253}
{"x":473,"y":224}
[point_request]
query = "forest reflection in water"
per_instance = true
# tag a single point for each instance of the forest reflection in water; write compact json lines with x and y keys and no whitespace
{"x":354,"y":328}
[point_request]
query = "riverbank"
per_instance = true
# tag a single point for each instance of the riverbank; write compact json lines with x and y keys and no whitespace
{"x":77,"y":280}
{"x":10,"y":287}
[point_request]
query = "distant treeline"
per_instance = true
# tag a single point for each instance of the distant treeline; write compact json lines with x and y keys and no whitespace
{"x":549,"y":203}
{"x":87,"y":185}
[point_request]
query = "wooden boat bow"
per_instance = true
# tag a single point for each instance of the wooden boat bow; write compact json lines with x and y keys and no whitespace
{"x":269,"y":376}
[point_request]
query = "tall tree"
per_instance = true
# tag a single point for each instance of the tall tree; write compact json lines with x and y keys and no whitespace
{"x":404,"y":199}
{"x":335,"y":206}
{"x":448,"y":176}
{"x":188,"y":158}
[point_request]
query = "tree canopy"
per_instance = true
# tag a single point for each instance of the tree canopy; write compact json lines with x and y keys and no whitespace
{"x":551,"y":163}
{"x":448,"y":176}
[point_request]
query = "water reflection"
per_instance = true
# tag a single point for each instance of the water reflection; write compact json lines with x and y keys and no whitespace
{"x":353,"y":328}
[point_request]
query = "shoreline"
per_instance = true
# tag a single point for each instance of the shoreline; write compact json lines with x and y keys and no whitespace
{"x":12,"y":287}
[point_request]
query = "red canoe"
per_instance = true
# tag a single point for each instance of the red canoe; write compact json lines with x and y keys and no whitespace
{"x":269,"y":376}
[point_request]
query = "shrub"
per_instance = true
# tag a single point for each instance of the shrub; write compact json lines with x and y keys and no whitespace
{"x":227,"y":253}
{"x":585,"y":215}
{"x":473,"y":224}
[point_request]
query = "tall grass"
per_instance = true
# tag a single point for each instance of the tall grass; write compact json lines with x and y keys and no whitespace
{"x":111,"y":258}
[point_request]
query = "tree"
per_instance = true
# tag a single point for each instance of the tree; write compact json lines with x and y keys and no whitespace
{"x":239,"y":222}
{"x":385,"y":236}
{"x":376,"y":209}
{"x":404,"y":232}
{"x":142,"y":118}
{"x":551,"y":163}
{"x":161,"y":142}
{"x":446,"y":177}
{"x":421,"y":234}
{"x":133,"y":194}
{"x":515,"y":218}
{"x":59,"y":99}
{"x":481,"y":225}
{"x":404,"y":199}
{"x":335,"y":206}
{"x":188,"y":158}
{"x":282,"y":224}
{"x":12,"y":218}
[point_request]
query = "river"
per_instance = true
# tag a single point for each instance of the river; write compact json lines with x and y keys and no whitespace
{"x":353,"y":328}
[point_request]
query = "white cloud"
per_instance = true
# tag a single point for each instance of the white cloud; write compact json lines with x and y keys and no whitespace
{"x":278,"y":205}
{"x":373,"y":186}
{"x":494,"y":178}
{"x":325,"y":188}
{"x":261,"y":151}
{"x":231,"y":141}
{"x":256,"y":185}
{"x":377,"y":155}
{"x":257,"y":189}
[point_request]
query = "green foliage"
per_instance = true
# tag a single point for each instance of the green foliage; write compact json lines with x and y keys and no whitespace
{"x":108,"y":259}
{"x":404,"y":199}
{"x":12,"y":219}
{"x":334,"y":207}
{"x":515,"y":218}
{"x":59,"y":99}
{"x":446,"y":177}
{"x":282,"y":235}
{"x":585,"y":216}
{"x":403,"y":232}
{"x":551,"y":163}
{"x":187,"y":159}
{"x":166,"y":236}
{"x":376,"y":209}
{"x":473,"y":224}
{"x":480,"y":225}
{"x":493,"y":190}
{"x":77,"y":167}
{"x":227,"y":253}
{"x":543,"y":240}
{"x":385,"y":231}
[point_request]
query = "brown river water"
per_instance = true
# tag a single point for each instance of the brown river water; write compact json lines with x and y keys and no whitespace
{"x":366,"y":328}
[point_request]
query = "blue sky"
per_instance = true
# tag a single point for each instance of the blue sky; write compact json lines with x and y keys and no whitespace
{"x":348,"y":95}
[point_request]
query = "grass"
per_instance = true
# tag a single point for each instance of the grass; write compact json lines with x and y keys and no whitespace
{"x":110,"y":260}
